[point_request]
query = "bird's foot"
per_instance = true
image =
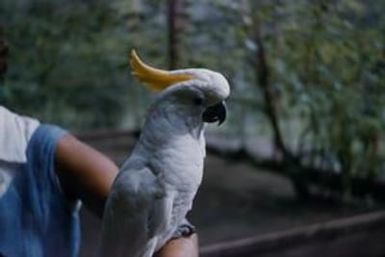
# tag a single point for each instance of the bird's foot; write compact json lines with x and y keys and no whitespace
{"x":184,"y":230}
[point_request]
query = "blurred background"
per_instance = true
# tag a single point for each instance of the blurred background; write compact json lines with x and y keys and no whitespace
{"x":304,"y":142}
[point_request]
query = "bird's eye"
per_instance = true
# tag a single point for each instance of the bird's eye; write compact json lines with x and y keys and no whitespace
{"x":198,"y":100}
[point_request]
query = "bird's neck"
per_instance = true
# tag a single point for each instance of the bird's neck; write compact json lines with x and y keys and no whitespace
{"x":175,"y":149}
{"x":164,"y":128}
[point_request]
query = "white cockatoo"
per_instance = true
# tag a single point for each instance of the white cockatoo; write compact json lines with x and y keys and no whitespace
{"x":156,"y":185}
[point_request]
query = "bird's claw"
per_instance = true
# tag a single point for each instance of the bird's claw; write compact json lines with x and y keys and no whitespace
{"x":184,"y":230}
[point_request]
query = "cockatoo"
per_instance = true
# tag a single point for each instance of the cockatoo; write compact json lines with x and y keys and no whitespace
{"x":156,"y":185}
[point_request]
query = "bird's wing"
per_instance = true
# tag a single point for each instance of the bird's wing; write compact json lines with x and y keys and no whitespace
{"x":136,"y":211}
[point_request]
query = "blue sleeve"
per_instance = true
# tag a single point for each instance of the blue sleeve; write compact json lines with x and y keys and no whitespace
{"x":41,"y":169}
{"x":41,"y":220}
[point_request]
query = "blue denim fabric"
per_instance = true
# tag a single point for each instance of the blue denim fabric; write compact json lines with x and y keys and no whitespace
{"x":36,"y":220}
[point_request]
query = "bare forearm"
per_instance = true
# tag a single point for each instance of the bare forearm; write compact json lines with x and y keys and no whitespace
{"x":181,"y":247}
{"x":84,"y":173}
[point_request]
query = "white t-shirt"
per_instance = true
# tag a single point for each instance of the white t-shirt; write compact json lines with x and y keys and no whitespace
{"x":15,"y":133}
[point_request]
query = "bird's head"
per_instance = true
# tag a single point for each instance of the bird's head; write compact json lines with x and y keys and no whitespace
{"x":198,"y":91}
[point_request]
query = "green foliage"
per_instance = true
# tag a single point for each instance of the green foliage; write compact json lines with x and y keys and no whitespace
{"x":68,"y":61}
{"x":326,"y":63}
{"x":64,"y":59}
{"x":327,"y":60}
{"x":329,"y":69}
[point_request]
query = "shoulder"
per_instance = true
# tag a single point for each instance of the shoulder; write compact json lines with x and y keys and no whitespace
{"x":16,"y":131}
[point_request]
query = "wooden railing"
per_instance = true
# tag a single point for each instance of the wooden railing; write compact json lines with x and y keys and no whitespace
{"x":358,"y":236}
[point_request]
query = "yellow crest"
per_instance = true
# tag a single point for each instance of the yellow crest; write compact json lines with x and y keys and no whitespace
{"x":156,"y":79}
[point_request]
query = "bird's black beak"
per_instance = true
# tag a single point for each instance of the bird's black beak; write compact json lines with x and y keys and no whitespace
{"x":215,"y":113}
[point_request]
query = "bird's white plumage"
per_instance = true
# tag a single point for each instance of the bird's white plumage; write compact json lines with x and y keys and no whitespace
{"x":215,"y":84}
{"x":157,"y":183}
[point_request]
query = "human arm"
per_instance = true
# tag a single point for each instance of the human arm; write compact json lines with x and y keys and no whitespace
{"x":180,"y":247}
{"x":86,"y":174}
